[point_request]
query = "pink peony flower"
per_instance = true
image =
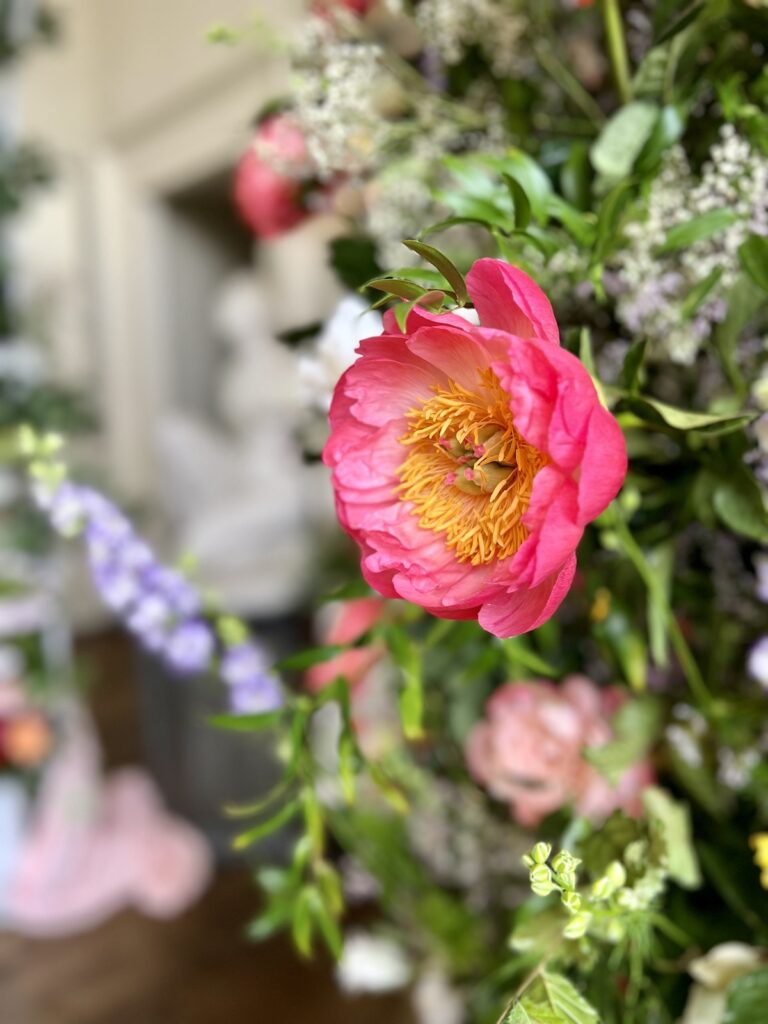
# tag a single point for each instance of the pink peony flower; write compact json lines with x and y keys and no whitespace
{"x":350,"y":622}
{"x":269,"y":178}
{"x":357,"y":7}
{"x":528,"y":751}
{"x":468,"y":460}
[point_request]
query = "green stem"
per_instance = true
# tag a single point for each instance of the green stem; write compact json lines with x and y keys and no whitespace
{"x":617,"y":47}
{"x":687,"y":661}
{"x":570,"y":84}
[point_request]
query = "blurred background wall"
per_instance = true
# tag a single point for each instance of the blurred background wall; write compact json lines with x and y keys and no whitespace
{"x":148,"y":290}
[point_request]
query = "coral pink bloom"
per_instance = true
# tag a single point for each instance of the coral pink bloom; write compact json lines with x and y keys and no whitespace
{"x":467,"y":460}
{"x":528,"y":751}
{"x":269,"y":178}
{"x":350,"y":622}
{"x":357,"y":7}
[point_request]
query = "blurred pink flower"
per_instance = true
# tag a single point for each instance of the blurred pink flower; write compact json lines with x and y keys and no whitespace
{"x":468,"y":460}
{"x":528,"y":750}
{"x":351,"y":621}
{"x":270,"y":178}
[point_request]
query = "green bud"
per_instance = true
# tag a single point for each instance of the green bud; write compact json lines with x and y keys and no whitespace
{"x":565,"y":863}
{"x":528,"y":860}
{"x":602,"y":888}
{"x":616,"y":873}
{"x":615,"y":931}
{"x":571,"y":901}
{"x":540,"y":853}
{"x":541,"y":880}
{"x":576,"y":928}
{"x":627,"y":899}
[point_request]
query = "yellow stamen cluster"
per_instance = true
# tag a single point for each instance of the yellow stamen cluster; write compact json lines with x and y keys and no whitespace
{"x":469,"y":473}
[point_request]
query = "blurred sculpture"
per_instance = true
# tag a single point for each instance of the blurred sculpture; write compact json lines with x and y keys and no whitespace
{"x":238,"y":494}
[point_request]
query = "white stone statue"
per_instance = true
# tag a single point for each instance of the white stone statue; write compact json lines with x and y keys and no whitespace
{"x":239,"y":495}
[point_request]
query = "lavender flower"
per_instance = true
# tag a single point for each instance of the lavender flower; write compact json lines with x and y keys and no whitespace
{"x":189,"y":648}
{"x":757,"y":662}
{"x":253,"y":689}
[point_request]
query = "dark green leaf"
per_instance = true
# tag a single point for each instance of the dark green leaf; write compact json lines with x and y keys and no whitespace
{"x":739,"y":505}
{"x":688,"y":16}
{"x":698,"y":294}
{"x":452,"y":275}
{"x":353,"y":258}
{"x":609,"y":219}
{"x":306,"y":659}
{"x":393,"y":286}
{"x":682,"y":419}
{"x":520,"y":200}
{"x":632,"y":363}
{"x":753,"y":255}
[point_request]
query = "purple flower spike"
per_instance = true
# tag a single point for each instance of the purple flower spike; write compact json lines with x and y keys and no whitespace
{"x":253,"y":689}
{"x":189,"y":648}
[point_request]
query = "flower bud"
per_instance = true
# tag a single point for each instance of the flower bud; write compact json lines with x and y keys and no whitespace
{"x":577,"y":926}
{"x":571,"y":901}
{"x":616,"y":873}
{"x":540,"y":853}
{"x":541,"y":880}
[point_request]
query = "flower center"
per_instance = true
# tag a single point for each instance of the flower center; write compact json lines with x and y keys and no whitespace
{"x":469,"y":473}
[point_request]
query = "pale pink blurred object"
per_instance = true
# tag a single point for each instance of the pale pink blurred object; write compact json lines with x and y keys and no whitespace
{"x":350,"y":621}
{"x":93,"y":847}
{"x":528,"y":751}
{"x":270,"y":178}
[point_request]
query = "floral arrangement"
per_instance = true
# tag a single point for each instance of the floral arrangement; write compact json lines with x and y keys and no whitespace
{"x":533,"y":733}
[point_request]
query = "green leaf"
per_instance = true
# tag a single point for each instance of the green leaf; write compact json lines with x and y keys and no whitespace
{"x":452,"y":275}
{"x":555,"y":1000}
{"x":266,"y":828}
{"x":306,"y":659}
{"x":681,"y":236}
{"x":422,"y":275}
{"x":620,"y":142}
{"x":609,"y":218}
{"x":675,"y":820}
{"x":739,"y":505}
{"x":246,"y":723}
{"x":683,"y":419}
{"x":580,"y":225}
{"x":520,"y":200}
{"x":636,"y":726}
{"x":535,"y":182}
{"x":699,"y":292}
{"x":632,"y":363}
{"x":662,"y":561}
{"x":668,"y":129}
{"x":753,"y":255}
{"x":747,"y":998}
{"x":407,"y":658}
{"x":586,"y":354}
{"x":394,"y":286}
{"x":688,"y":16}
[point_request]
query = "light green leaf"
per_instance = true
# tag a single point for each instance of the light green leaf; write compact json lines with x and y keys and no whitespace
{"x":266,"y":828}
{"x":747,"y":999}
{"x":557,"y":1001}
{"x":620,"y":142}
{"x":753,"y":255}
{"x":681,"y":236}
{"x":245,"y":723}
{"x":636,"y":727}
{"x":675,"y":820}
{"x":684,"y":419}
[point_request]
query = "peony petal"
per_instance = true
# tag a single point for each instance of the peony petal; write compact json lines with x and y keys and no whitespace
{"x":505,"y":297}
{"x":523,"y":610}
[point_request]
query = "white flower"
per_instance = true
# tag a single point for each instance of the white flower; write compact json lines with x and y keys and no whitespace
{"x":435,"y":1001}
{"x":713,"y":974}
{"x":335,"y":349}
{"x":371,"y":963}
{"x":757,"y":662}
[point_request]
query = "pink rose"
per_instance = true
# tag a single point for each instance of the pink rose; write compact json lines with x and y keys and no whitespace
{"x":468,"y":460}
{"x":270,"y":178}
{"x":528,"y":751}
{"x":353,"y":620}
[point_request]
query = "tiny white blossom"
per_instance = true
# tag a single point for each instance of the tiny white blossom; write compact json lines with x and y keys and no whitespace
{"x":371,"y":963}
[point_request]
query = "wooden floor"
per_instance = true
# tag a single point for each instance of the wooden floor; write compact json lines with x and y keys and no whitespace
{"x":198,"y":969}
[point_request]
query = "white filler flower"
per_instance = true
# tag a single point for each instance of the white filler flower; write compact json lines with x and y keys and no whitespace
{"x":371,"y":963}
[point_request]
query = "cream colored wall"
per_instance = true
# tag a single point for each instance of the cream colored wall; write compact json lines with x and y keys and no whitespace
{"x":133,"y":102}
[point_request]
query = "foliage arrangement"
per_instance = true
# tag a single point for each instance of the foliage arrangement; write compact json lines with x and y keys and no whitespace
{"x":551,"y":780}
